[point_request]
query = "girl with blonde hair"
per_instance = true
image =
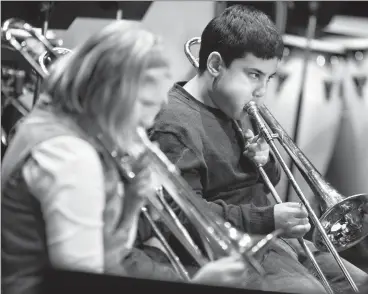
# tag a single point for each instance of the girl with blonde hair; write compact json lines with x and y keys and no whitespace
{"x":63,"y":202}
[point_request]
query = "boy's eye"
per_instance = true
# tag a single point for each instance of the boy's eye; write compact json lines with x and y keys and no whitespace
{"x":254,"y":75}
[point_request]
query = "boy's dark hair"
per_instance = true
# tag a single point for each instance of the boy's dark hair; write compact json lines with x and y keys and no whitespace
{"x":237,"y":31}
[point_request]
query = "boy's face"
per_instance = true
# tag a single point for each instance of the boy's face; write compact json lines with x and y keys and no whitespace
{"x":244,"y":80}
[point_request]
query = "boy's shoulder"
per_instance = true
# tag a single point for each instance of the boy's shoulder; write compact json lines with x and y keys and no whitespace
{"x":180,"y":109}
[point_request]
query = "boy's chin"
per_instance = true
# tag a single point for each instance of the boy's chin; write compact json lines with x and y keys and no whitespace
{"x":239,"y":115}
{"x":242,"y":114}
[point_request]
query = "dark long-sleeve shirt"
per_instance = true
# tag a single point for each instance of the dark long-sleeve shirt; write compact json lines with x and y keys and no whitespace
{"x":207,"y":147}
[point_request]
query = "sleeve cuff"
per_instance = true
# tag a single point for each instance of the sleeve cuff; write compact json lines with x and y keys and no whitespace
{"x":262,"y":219}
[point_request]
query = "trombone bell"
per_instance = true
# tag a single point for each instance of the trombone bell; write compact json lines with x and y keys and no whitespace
{"x":345,"y":222}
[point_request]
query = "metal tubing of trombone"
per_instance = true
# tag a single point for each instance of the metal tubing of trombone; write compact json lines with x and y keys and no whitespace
{"x":36,"y":92}
{"x":261,"y":244}
{"x":301,"y":241}
{"x":207,"y":247}
{"x":189,"y":244}
{"x":221,"y":233}
{"x":183,"y":236}
{"x":4,"y":140}
{"x":43,"y":57}
{"x":15,"y":23}
{"x":19,"y":48}
{"x":174,"y":259}
{"x":252,"y":110}
{"x":45,"y":27}
{"x":177,"y":228}
{"x":19,"y":105}
{"x":188,"y":53}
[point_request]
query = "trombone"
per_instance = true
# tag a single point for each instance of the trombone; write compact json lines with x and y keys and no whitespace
{"x":342,"y":224}
{"x":8,"y":30}
{"x":221,"y":235}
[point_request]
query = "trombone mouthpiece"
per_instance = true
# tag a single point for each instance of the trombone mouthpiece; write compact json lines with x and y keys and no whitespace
{"x":250,"y":107}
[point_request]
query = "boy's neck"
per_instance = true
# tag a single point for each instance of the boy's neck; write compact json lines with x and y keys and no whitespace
{"x":199,"y":88}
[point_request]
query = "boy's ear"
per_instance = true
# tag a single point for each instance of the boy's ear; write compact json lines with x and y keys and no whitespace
{"x":215,"y":64}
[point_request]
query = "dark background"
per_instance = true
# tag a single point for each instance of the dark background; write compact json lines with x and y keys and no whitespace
{"x":63,"y":13}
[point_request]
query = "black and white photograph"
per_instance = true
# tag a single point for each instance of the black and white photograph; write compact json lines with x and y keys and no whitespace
{"x":184,"y":146}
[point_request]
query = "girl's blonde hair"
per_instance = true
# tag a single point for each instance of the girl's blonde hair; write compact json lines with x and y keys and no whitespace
{"x":101,"y":77}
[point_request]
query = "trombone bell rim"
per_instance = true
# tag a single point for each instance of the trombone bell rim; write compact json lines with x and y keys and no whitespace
{"x":333,"y":221}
